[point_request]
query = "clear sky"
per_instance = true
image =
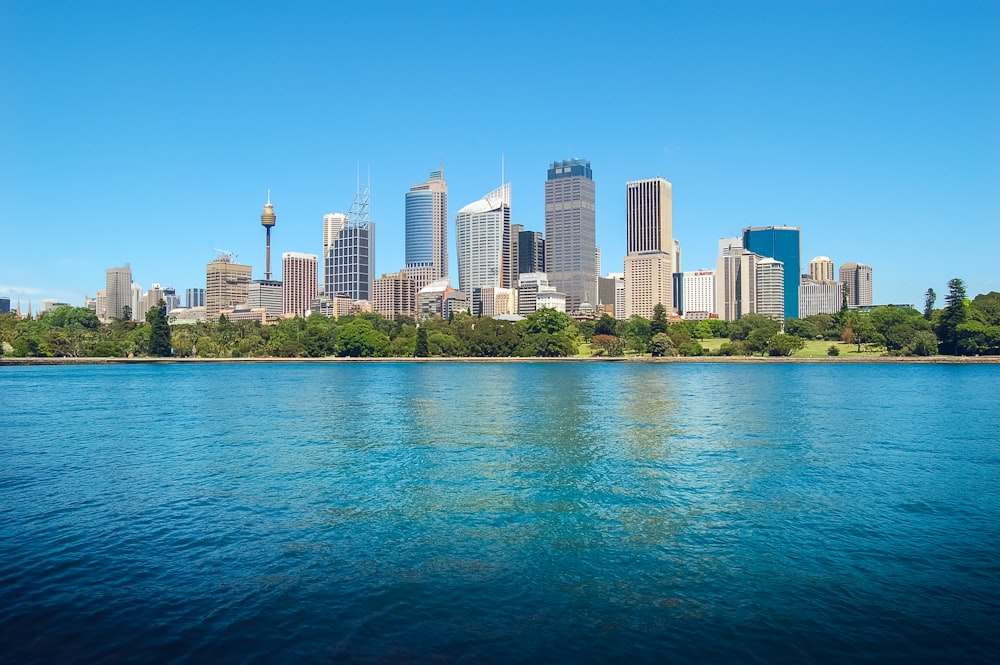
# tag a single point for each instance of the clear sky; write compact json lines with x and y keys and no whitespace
{"x":149,"y":133}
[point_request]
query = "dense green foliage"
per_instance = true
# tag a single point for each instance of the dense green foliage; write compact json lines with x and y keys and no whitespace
{"x":963,"y":327}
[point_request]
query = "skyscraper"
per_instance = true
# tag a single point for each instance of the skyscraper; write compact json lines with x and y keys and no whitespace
{"x":530,"y":252}
{"x":649,"y":262}
{"x":226,"y":285}
{"x":333,"y":222}
{"x":393,"y":295}
{"x":482,"y":241}
{"x":736,"y":283}
{"x":781,"y":243}
{"x":857,"y":280}
{"x":298,"y":282}
{"x":350,"y":263}
{"x":570,"y":230}
{"x":821,"y":269}
{"x":118,"y":292}
{"x":426,"y":253}
{"x":770,"y":289}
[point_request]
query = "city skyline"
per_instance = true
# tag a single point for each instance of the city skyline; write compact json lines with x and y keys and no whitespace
{"x":872,"y":128}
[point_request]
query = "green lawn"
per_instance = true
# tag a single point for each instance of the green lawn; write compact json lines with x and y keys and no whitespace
{"x":812,"y":349}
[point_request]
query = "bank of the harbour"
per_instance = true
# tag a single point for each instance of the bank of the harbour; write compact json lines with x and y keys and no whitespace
{"x":502,"y":512}
{"x":896,"y":360}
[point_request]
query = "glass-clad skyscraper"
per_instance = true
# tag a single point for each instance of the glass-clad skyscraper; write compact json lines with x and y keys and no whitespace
{"x":782,"y":243}
{"x":426,"y":248}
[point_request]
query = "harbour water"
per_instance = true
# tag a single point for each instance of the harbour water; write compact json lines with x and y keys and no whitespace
{"x":499,"y":513}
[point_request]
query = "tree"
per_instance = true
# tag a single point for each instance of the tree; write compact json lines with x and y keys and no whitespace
{"x":360,"y":339}
{"x":784,"y":345}
{"x":929,"y":299}
{"x":422,"y":350}
{"x":609,"y":345}
{"x":159,"y":331}
{"x":955,"y":314}
{"x":661,"y":345}
{"x":833,"y":350}
{"x":606,"y":325}
{"x":659,"y":322}
{"x":545,"y":320}
{"x":702,"y":330}
{"x":638,"y":333}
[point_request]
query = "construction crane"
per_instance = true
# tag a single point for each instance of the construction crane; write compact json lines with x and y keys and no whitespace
{"x":224,"y":252}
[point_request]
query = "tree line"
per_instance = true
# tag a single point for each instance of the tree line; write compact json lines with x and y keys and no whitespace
{"x":962,"y":327}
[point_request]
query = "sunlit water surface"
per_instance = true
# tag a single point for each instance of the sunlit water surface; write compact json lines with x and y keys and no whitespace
{"x":474,"y":512}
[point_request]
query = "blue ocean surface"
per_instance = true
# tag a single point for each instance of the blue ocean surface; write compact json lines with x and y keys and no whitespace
{"x":500,"y":513}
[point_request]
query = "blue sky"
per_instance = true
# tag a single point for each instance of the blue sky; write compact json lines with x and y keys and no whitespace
{"x":149,"y":133}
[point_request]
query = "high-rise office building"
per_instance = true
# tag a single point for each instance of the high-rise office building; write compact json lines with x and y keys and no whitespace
{"x":118,"y":292}
{"x":298,"y":282}
{"x":426,"y":252}
{"x":821,"y":269}
{"x":783,"y":244}
{"x":4,"y":305}
{"x":698,"y":291}
{"x":530,"y":252}
{"x":571,"y":230}
{"x":649,"y":262}
{"x":194,"y":298}
{"x":482,"y":241}
{"x":333,"y":222}
{"x":267,"y":294}
{"x":736,"y":283}
{"x":349,"y":267}
{"x":857,"y":281}
{"x":226,"y":285}
{"x":771,"y":289}
{"x":394,"y":294}
{"x":820,"y":297}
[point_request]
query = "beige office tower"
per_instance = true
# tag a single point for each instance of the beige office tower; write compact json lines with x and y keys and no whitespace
{"x":118,"y":292}
{"x":394,"y":294}
{"x":226,"y":285}
{"x":771,"y":289}
{"x":736,"y":283}
{"x":821,"y":270}
{"x":649,"y":262}
{"x":857,"y":280}
{"x":298,"y":282}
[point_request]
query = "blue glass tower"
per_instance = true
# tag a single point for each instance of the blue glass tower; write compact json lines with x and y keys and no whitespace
{"x":782,"y":243}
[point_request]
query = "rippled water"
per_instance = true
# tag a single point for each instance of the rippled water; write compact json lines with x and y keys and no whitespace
{"x":472,"y":512}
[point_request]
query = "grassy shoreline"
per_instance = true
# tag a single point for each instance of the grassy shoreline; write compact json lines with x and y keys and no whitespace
{"x":861,"y":358}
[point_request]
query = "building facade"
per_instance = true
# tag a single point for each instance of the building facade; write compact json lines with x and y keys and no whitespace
{"x":782,"y":243}
{"x":350,"y":265}
{"x":267,"y":294}
{"x":394,"y":294}
{"x":118,"y":292}
{"x":194,"y":298}
{"x":821,"y":269}
{"x":820,"y":297}
{"x":857,"y":281}
{"x":426,"y":249}
{"x":649,"y":262}
{"x":571,"y":230}
{"x":771,"y":289}
{"x":226,"y":285}
{"x":483,"y":242}
{"x":298,"y":282}
{"x":698,"y":294}
{"x":736,"y":283}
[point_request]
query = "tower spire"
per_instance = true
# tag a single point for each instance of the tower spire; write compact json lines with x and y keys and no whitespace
{"x":268,"y":220}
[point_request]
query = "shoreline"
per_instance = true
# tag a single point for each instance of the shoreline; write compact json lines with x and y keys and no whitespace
{"x":919,"y":360}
